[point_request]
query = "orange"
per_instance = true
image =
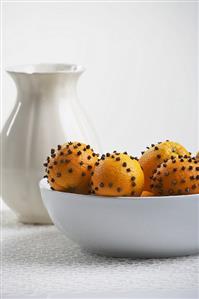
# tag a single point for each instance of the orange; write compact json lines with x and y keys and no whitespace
{"x":197,"y":156}
{"x":147,"y":194}
{"x":69,"y":167}
{"x":157,"y":154}
{"x":117,"y":174}
{"x":176,"y":176}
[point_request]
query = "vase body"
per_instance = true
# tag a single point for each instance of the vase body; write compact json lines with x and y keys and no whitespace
{"x":46,"y":113}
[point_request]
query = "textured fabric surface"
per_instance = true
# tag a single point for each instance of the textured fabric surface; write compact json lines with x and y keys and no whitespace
{"x":39,"y":262}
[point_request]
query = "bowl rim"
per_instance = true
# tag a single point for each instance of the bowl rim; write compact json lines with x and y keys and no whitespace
{"x":43,"y":184}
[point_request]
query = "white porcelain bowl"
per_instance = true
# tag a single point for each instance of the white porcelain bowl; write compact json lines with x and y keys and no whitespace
{"x":127,"y":226}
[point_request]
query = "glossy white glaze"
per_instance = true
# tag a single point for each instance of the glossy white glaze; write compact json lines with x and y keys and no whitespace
{"x":46,"y":113}
{"x":127,"y":226}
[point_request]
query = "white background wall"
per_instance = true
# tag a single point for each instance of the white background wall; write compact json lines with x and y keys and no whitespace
{"x":141,"y":58}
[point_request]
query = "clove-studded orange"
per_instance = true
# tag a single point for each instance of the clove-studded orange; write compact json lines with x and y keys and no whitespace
{"x":117,"y":174}
{"x":69,"y":167}
{"x":147,"y":194}
{"x":197,"y":156}
{"x":157,"y":154}
{"x":176,"y":176}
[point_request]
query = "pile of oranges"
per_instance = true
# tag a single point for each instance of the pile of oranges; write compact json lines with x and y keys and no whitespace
{"x":165,"y":168}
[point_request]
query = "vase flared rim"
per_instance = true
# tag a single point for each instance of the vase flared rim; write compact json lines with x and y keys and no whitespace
{"x":46,"y":68}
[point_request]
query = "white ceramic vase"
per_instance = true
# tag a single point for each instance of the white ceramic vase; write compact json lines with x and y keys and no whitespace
{"x":46,"y":113}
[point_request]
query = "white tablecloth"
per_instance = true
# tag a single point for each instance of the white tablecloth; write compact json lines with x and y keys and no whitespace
{"x":39,"y":262}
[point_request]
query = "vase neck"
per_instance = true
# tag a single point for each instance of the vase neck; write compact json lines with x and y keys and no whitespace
{"x":41,"y":86}
{"x":42,"y":81}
